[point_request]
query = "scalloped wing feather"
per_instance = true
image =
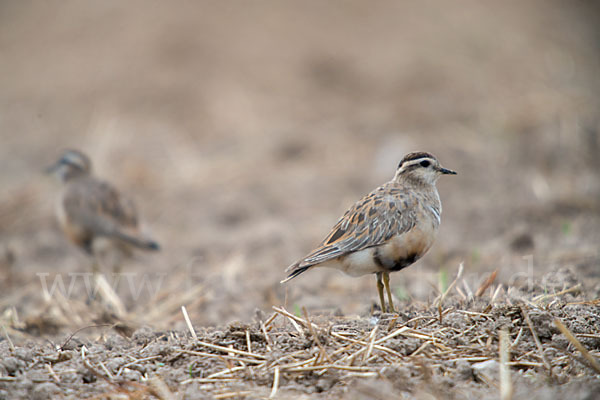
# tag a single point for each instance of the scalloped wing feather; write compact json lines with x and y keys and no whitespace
{"x":372,"y":221}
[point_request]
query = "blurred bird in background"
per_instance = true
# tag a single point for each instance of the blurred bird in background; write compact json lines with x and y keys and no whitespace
{"x":94,"y":215}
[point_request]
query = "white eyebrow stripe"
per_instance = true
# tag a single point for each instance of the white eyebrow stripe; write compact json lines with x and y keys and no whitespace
{"x":436,"y":213}
{"x":417,"y":161}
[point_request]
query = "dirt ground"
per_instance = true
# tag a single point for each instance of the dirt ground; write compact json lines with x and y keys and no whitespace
{"x":243,"y":132}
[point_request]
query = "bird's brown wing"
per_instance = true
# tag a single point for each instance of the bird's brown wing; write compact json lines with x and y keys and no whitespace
{"x":372,"y":221}
{"x":98,"y":208}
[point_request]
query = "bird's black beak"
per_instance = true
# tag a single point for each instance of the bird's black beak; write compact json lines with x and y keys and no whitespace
{"x":446,"y":171}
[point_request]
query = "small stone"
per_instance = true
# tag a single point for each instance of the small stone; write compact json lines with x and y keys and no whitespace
{"x":325,"y":383}
{"x":490,"y":368}
{"x":12,"y":365}
{"x":23,"y":353}
{"x":46,"y":390}
{"x":464,"y":371}
{"x":522,"y":242}
{"x":115,"y":342}
{"x":143,"y":335}
{"x":114,"y":364}
{"x":131,"y":375}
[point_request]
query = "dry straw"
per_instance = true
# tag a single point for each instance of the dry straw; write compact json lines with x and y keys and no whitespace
{"x":285,"y":347}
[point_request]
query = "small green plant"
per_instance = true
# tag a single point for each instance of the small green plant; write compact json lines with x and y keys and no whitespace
{"x":443,"y":280}
{"x":566,"y":228}
{"x":475,"y":256}
{"x":402,"y":293}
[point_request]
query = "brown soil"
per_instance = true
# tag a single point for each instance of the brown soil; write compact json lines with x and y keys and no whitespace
{"x":243,"y":132}
{"x":450,"y":351}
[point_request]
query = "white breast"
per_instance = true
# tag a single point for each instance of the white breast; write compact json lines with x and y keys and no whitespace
{"x":59,"y":209}
{"x":354,"y":264}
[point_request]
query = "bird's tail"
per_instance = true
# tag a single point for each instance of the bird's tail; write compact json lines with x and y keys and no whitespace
{"x":295,"y":271}
{"x":142,"y":243}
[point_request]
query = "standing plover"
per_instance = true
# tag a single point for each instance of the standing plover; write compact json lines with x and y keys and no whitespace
{"x":92,"y":213}
{"x":387,"y":230}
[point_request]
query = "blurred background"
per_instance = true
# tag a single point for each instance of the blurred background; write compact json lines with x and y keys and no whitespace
{"x":244,"y":130}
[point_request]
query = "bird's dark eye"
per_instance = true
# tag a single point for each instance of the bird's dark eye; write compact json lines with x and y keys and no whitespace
{"x":425,"y":164}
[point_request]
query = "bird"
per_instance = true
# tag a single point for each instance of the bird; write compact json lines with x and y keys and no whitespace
{"x":387,"y":230}
{"x":93,"y":214}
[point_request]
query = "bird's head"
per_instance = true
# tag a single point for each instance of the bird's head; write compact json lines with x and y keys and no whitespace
{"x":420,"y":167}
{"x":71,"y":164}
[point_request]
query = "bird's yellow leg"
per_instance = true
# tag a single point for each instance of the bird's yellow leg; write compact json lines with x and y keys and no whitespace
{"x":386,"y":282}
{"x":380,"y":291}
